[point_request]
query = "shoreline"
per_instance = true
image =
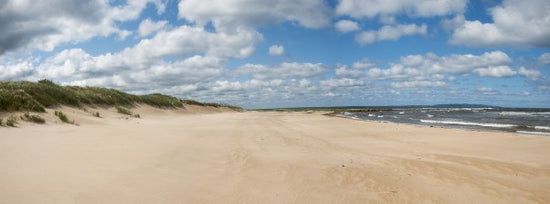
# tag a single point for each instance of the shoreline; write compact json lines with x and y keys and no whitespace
{"x":236,"y":157}
{"x":457,"y":127}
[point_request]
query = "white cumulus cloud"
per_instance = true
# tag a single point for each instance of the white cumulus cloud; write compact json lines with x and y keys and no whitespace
{"x":284,"y":70}
{"x":45,"y":25}
{"x":148,"y":27}
{"x":515,"y":23}
{"x":373,"y":8}
{"x":529,"y":73}
{"x":416,"y":84}
{"x":276,"y":50}
{"x":346,"y":26}
{"x":544,"y":59}
{"x":390,"y":32}
{"x":498,"y":71}
{"x":226,"y":15}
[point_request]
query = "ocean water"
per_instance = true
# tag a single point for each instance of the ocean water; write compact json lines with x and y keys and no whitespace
{"x":526,"y":121}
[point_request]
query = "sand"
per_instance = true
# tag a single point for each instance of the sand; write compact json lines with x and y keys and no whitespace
{"x":200,"y":156}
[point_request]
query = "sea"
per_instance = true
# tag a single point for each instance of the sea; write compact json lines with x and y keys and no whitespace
{"x":519,"y":120}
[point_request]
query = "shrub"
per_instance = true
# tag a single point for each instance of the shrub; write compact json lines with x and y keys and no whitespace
{"x":11,"y":121}
{"x":33,"y":118}
{"x":96,"y":114}
{"x":1,"y":121}
{"x":122,"y":110}
{"x":18,"y":100}
{"x":161,"y":101}
{"x":63,"y":117}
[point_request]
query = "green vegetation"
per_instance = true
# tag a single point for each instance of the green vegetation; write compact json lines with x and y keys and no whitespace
{"x":161,"y":101}
{"x":18,"y":100}
{"x":11,"y":121}
{"x":123,"y":110}
{"x":216,"y":105}
{"x":33,"y":118}
{"x":36,"y":96}
{"x":96,"y":114}
{"x":63,"y":117}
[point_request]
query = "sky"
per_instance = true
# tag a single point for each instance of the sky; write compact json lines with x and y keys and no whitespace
{"x":287,"y":53}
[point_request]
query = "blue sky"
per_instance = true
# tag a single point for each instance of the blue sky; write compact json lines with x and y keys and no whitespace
{"x":283,"y":53}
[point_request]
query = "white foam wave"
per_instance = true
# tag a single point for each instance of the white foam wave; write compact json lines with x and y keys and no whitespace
{"x":533,"y":133}
{"x":446,"y":122}
{"x":542,"y":128}
{"x":519,"y":113}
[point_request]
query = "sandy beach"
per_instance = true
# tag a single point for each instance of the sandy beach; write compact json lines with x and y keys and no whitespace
{"x":202,"y":156}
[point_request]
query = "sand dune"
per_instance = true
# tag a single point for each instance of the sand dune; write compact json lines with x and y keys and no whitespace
{"x":251,"y":157}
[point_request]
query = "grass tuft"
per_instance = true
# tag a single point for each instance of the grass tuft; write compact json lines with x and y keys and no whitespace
{"x":215,"y":105}
{"x":63,"y":117}
{"x":161,"y":101}
{"x":123,"y":110}
{"x":33,"y":118}
{"x":11,"y":121}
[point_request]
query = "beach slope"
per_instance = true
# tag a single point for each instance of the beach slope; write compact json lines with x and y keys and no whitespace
{"x":255,"y":157}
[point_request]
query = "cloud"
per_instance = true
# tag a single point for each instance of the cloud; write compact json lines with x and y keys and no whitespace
{"x":343,"y":82}
{"x":185,"y":40}
{"x":365,"y":63}
{"x":515,"y":23}
{"x":346,"y":26}
{"x":486,"y":91}
{"x":16,"y":71}
{"x":284,"y":70}
{"x":416,"y":84}
{"x":529,"y":73}
{"x":454,"y":64}
{"x":430,"y":70}
{"x":76,"y":67}
{"x":372,"y":8}
{"x":45,"y":25}
{"x":544,"y":59}
{"x":276,"y":50}
{"x":226,"y":15}
{"x":148,"y":27}
{"x":451,"y":24}
{"x":200,"y":56}
{"x":390,"y":32}
{"x":498,"y":71}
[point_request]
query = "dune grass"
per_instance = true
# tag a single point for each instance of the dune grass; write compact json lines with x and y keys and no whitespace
{"x":123,"y":110}
{"x":216,"y":105}
{"x":63,"y":117}
{"x":11,"y":121}
{"x":36,"y":96}
{"x":161,"y":101}
{"x":33,"y":118}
